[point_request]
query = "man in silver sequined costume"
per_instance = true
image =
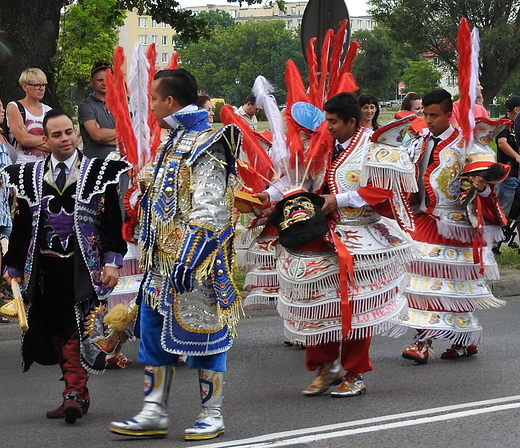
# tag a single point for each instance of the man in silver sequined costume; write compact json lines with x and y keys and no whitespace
{"x":188,"y":301}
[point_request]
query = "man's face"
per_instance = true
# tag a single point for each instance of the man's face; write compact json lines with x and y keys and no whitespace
{"x":98,"y":82}
{"x":338,"y":129}
{"x":436,"y":119}
{"x":250,"y":109}
{"x":162,"y":107}
{"x":61,"y":137}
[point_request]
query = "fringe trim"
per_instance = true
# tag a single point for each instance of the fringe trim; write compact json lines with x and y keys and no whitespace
{"x":260,"y":301}
{"x":469,"y":271}
{"x":335,"y":334}
{"x":249,"y":235}
{"x":453,"y":303}
{"x":388,"y":179}
{"x":256,"y":279}
{"x":253,"y":259}
{"x":473,"y":337}
{"x":460,"y":233}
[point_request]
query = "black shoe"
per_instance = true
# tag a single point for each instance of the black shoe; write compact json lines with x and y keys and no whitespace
{"x":513,"y":245}
{"x":496,"y":250}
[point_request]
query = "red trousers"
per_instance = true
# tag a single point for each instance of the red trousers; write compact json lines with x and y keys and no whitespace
{"x":354,"y":355}
{"x":74,"y":374}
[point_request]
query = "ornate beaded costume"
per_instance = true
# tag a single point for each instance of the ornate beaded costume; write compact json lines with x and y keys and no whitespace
{"x":187,"y":238}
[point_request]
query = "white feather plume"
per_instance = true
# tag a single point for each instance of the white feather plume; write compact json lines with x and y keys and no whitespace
{"x":263,"y":89}
{"x":139,"y":102}
{"x":474,"y":75}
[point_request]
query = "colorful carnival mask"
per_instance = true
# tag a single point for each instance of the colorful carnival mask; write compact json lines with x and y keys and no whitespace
{"x":299,"y":219}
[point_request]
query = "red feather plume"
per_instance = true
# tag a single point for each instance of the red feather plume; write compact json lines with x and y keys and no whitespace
{"x":464,"y":73}
{"x":335,"y":59}
{"x":174,"y":61}
{"x":295,"y":93}
{"x":256,"y":155}
{"x":320,"y":146}
{"x":349,"y":58}
{"x":324,"y":65}
{"x":153,"y":124}
{"x":116,"y":101}
{"x":312,"y":63}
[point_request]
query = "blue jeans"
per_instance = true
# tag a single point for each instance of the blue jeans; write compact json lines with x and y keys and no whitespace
{"x":506,"y":193}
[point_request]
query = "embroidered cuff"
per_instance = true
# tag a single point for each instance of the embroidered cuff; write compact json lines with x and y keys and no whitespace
{"x":113,"y":259}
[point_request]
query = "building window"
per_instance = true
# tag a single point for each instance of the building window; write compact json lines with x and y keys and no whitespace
{"x":164,"y":40}
{"x":165,"y":25}
{"x":289,"y":24}
{"x":154,"y":23}
{"x":164,"y":58}
{"x":233,"y":13}
{"x":293,"y":10}
{"x":155,"y":39}
{"x":142,"y":22}
{"x":359,"y":24}
{"x":299,"y":22}
{"x":370,"y":24}
{"x":143,"y":38}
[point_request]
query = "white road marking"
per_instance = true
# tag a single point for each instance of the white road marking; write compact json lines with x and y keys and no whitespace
{"x":377,"y":424}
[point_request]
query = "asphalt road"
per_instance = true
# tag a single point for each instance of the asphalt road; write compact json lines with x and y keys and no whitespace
{"x":472,"y":402}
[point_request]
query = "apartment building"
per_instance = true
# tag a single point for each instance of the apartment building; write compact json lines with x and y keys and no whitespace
{"x":144,"y":29}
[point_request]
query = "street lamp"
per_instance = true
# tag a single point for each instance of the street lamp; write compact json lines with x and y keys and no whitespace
{"x":237,"y":92}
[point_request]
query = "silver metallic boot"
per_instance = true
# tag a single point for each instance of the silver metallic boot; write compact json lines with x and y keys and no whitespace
{"x":210,"y":422}
{"x":152,"y":421}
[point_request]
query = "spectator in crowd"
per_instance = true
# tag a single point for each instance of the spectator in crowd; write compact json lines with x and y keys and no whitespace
{"x":25,"y":117}
{"x":413,"y":103}
{"x":204,"y":102}
{"x":369,"y":112}
{"x":478,"y":109}
{"x":97,"y":124}
{"x":248,"y":112}
{"x":507,"y":153}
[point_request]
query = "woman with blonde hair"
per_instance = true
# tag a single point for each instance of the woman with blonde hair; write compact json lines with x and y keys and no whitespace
{"x":25,"y":117}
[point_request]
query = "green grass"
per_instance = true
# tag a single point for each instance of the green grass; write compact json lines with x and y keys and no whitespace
{"x":510,"y":259}
{"x":239,"y":277}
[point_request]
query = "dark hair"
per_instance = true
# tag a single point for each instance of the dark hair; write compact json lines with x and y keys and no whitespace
{"x":440,"y":97}
{"x":179,"y":83}
{"x":366,"y":98}
{"x":251,"y":98}
{"x":203,"y":99}
{"x":54,"y":113}
{"x":345,"y":106}
{"x":407,"y":100}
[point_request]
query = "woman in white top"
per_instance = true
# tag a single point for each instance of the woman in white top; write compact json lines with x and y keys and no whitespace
{"x":27,"y":129}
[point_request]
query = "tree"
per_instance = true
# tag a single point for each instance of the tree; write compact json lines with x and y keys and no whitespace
{"x":214,"y":19}
{"x":421,"y":77}
{"x":426,"y":25}
{"x":31,"y":32}
{"x":88,"y":34}
{"x":375,"y":67}
{"x":227,"y":64}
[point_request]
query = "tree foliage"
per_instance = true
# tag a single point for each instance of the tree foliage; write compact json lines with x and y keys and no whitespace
{"x":31,"y":32}
{"x":421,"y":77}
{"x":426,"y":25}
{"x":375,"y":68}
{"x":88,"y":34}
{"x":227,"y":64}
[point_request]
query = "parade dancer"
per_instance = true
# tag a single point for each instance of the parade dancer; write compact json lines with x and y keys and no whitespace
{"x":188,"y":301}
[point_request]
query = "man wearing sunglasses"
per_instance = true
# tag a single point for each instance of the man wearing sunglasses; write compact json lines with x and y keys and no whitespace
{"x":97,"y":124}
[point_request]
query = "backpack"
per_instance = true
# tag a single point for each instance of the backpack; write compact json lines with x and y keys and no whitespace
{"x":5,"y":128}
